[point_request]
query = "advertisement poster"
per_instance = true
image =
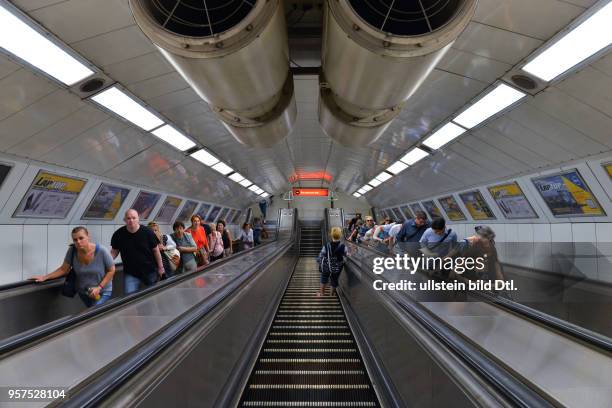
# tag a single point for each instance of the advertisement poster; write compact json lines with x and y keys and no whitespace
{"x":406,"y":211}
{"x":106,"y":203}
{"x":452,"y":209}
{"x":476,"y":205}
{"x":512,"y":201}
{"x":607,"y":167}
{"x":567,"y":195}
{"x":431,"y":208}
{"x":144,"y":203}
{"x":168,"y":209}
{"x":230,"y":216}
{"x":50,"y":196}
{"x":223,"y":215}
{"x":415,"y":207}
{"x":187,"y":211}
{"x":4,"y":171}
{"x":212,"y":215}
{"x":236,"y":217}
{"x":397,"y":214}
{"x":203,"y":210}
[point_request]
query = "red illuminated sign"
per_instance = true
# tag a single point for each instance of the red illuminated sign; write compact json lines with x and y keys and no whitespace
{"x":310,"y":175}
{"x":310,"y":192}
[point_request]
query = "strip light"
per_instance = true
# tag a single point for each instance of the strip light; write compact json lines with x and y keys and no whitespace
{"x":444,"y":135}
{"x":361,"y":191}
{"x":397,"y":167}
{"x":172,"y":136}
{"x":367,"y":188}
{"x":498,"y":99}
{"x":254,"y":188}
{"x":237,"y":177}
{"x":205,"y":157}
{"x":356,"y":195}
{"x":18,"y":37}
{"x":265,"y":195}
{"x":594,"y":34}
{"x":222,"y":168}
{"x":125,"y":106}
{"x":245,"y":183}
{"x":384,"y":176}
{"x":413,"y":156}
{"x":374,"y":182}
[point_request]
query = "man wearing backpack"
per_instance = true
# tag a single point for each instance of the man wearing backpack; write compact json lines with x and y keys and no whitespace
{"x":331,"y":262}
{"x":438,"y":240}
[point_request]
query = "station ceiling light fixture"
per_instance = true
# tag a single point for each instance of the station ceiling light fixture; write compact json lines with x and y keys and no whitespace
{"x":265,"y":195}
{"x":254,"y":188}
{"x":361,"y":191}
{"x":367,"y":188}
{"x":204,"y":157}
{"x":413,"y":156}
{"x":397,"y":167}
{"x":586,"y":39}
{"x":222,"y":168}
{"x":493,"y":102}
{"x":28,"y":42}
{"x":122,"y":104}
{"x":356,"y":195}
{"x":174,"y":137}
{"x":374,"y":182}
{"x":245,"y":183}
{"x":383,"y":176}
{"x":237,"y":177}
{"x":444,"y":135}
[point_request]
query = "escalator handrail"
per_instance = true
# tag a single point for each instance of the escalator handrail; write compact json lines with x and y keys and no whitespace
{"x":589,"y":337}
{"x":28,"y":337}
{"x":503,"y":380}
{"x":116,"y":375}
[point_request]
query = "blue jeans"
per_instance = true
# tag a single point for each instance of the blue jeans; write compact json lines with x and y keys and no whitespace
{"x":89,"y":302}
{"x":256,"y":235}
{"x":133,"y":284}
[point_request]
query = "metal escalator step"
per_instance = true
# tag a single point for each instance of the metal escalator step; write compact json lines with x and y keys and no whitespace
{"x":310,"y":360}
{"x":310,"y":333}
{"x":309,"y":372}
{"x":322,"y":350}
{"x":307,"y":404}
{"x":310,"y":341}
{"x":310,"y":321}
{"x":311,"y":327}
{"x":309,"y":386}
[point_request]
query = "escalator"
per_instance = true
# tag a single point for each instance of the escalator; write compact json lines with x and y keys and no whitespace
{"x":309,"y":357}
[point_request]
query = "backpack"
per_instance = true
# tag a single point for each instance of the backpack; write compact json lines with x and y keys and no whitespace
{"x":331,"y":264}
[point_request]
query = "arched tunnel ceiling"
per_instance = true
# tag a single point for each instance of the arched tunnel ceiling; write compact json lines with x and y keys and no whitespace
{"x":40,"y":120}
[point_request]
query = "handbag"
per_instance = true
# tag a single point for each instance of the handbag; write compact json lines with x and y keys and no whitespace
{"x":174,"y":256}
{"x":201,"y":256}
{"x":333,"y":265}
{"x":69,"y":288}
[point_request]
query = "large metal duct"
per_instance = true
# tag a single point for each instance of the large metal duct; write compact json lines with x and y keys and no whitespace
{"x":234,"y":54}
{"x":376,"y":53}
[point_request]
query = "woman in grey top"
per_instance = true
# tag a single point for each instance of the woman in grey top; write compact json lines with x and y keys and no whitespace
{"x":186,"y":246}
{"x":93,"y":267}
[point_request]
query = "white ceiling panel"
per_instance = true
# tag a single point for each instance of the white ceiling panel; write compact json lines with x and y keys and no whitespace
{"x":7,"y":66}
{"x":481,"y":158}
{"x":20,"y":89}
{"x":592,"y":87}
{"x":159,"y":86}
{"x":139,"y":68}
{"x":38,"y":116}
{"x":174,"y":100}
{"x":29,"y":5}
{"x":604,"y":64}
{"x":486,"y":148}
{"x":539,"y":19}
{"x":473,"y":66}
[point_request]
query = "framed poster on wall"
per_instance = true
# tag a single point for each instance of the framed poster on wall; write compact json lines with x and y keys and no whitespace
{"x":168,"y":209}
{"x":145,"y":203}
{"x":432,"y":209}
{"x":476,"y":205}
{"x":187,"y":211}
{"x":236,"y":217}
{"x":230,"y":216}
{"x":5,"y":169}
{"x":212,"y":215}
{"x":451,"y":208}
{"x":223,"y":215}
{"x":50,"y":195}
{"x":415,"y":207}
{"x":397,"y":214}
{"x":203,"y":210}
{"x":607,"y":167}
{"x":567,"y":195}
{"x":106,"y":203}
{"x":511,"y":201}
{"x":406,"y":211}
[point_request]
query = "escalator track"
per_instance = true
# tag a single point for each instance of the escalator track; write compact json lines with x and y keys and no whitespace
{"x":309,"y":357}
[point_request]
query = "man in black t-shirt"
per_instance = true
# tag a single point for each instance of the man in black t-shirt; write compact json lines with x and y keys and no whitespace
{"x":137,"y":244}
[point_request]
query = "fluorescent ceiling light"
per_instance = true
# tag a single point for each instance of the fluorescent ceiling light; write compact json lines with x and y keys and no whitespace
{"x":205,"y":158}
{"x":265,"y":195}
{"x":367,"y":187}
{"x":259,"y":191}
{"x":594,"y":34}
{"x":245,"y":183}
{"x":413,"y":156}
{"x":254,"y":188}
{"x":357,"y":195}
{"x":443,"y":135}
{"x":374,"y":183}
{"x":223,"y":168}
{"x":384,"y":176}
{"x":237,"y":177}
{"x":22,"y":40}
{"x":125,"y":106}
{"x":397,"y":167}
{"x":361,"y":191}
{"x":498,"y":99}
{"x":172,"y":136}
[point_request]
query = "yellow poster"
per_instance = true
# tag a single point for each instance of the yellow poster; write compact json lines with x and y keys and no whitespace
{"x":608,"y":167}
{"x":511,"y":201}
{"x":567,"y":194}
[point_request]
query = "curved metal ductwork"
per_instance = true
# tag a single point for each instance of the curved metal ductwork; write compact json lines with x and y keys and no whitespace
{"x":376,"y":53}
{"x":234,"y":54}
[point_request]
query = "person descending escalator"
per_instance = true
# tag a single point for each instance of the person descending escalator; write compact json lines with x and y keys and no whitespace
{"x":226,"y":237}
{"x":171,"y":258}
{"x":246,"y":236}
{"x":331,"y":262}
{"x":186,"y":246}
{"x":215,"y":243}
{"x":200,"y":236}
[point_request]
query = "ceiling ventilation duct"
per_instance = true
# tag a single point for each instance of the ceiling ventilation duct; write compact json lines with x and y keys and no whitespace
{"x":234,"y":54}
{"x":376,"y":53}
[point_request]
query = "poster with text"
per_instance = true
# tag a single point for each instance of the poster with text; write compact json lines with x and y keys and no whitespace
{"x":567,"y":195}
{"x":203,"y":210}
{"x":476,"y":205}
{"x":223,"y":215}
{"x":50,"y":196}
{"x":145,"y":203}
{"x":415,"y":208}
{"x":512,"y":201}
{"x":431,"y":208}
{"x":187,"y":211}
{"x":406,"y":211}
{"x":4,"y":172}
{"x":397,"y":214}
{"x":212,"y":215}
{"x":607,"y":167}
{"x":452,"y":209}
{"x":106,"y":203}
{"x":168,"y":209}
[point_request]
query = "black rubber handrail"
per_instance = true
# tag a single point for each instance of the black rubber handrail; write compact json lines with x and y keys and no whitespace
{"x":504,"y":381}
{"x":27,"y":282}
{"x":589,"y":337}
{"x":28,"y":337}
{"x":99,"y":388}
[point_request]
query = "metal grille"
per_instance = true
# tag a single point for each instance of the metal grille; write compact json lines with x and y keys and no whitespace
{"x":199,"y":18}
{"x":309,"y":359}
{"x":406,"y":17}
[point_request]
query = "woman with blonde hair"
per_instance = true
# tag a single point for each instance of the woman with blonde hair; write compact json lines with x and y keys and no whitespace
{"x":331,"y":261}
